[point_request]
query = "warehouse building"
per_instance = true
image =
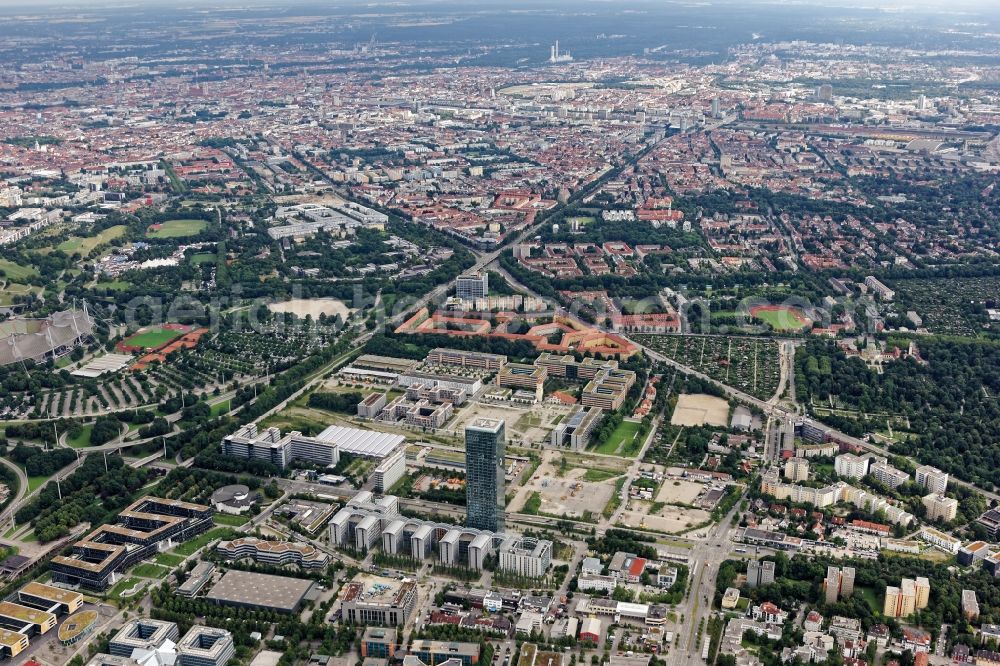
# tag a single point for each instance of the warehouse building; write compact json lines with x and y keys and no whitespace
{"x":256,"y":590}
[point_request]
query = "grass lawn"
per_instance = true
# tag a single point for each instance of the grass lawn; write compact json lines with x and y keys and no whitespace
{"x":85,"y":245}
{"x":622,"y":438}
{"x":35,"y":481}
{"x":122,"y":585}
{"x":229,"y":519}
{"x":30,"y":537}
{"x":786,"y":319}
{"x":616,"y":499}
{"x":14,"y":289}
{"x":533,"y":504}
{"x":149,"y":570}
{"x":868,"y":594}
{"x":177,"y":228}
{"x":203,"y":258}
{"x":598,"y":475}
{"x":168,"y":560}
{"x":16,"y":271}
{"x":189,"y":548}
{"x":154,"y":337}
{"x":221,"y":408}
{"x":82,"y":440}
{"x":114,"y":285}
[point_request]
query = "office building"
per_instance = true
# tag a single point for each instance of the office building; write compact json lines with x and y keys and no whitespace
{"x":378,"y":643}
{"x":575,"y":430}
{"x":324,"y":449}
{"x":760,"y":572}
{"x":55,"y":600}
{"x":839,"y":583}
{"x":141,"y":529}
{"x":196,"y":580}
{"x":971,"y":553}
{"x":466,"y":359}
{"x":991,"y":521}
{"x":390,"y":471}
{"x":484,"y":474}
{"x":12,"y":643}
{"x":433,"y":653}
{"x":24,"y":619}
{"x":931,"y":478}
{"x":205,"y":646}
{"x":522,"y":376}
{"x":608,"y":389}
{"x":526,"y":556}
{"x":142,"y":634}
{"x":385,"y":603}
{"x":472,"y":285}
{"x":940,"y":507}
{"x":277,"y":553}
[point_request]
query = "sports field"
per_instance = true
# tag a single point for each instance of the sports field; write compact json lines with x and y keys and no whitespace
{"x":781,"y":318}
{"x":623,"y":441}
{"x":176,"y":228}
{"x":153,"y":337}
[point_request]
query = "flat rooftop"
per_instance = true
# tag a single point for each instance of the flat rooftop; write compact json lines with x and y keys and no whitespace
{"x":374,"y":590}
{"x":50,"y":593}
{"x":264,"y":590}
{"x":359,"y":442}
{"x":25,"y":614}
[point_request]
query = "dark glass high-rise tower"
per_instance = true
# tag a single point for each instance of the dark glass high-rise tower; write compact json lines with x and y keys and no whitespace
{"x":484,"y":474}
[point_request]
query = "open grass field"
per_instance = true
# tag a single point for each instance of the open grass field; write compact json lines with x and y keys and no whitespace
{"x":229,"y":519}
{"x":122,"y":586}
{"x":168,"y":560}
{"x":34,"y":482}
{"x":202,"y":258}
{"x":781,"y":318}
{"x":114,"y":285}
{"x":189,"y":548}
{"x":623,"y":441}
{"x":82,"y":440}
{"x":152,"y":338}
{"x":16,"y":271}
{"x":221,"y":408}
{"x":176,"y":228}
{"x":84,"y":245}
{"x":149,"y":570}
{"x":14,"y":289}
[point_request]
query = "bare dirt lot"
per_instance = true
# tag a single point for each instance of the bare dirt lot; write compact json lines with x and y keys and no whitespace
{"x":567,"y":494}
{"x":669,"y":519}
{"x":525,"y":426}
{"x":698,"y":409}
{"x":312,"y":306}
{"x":679,"y":491}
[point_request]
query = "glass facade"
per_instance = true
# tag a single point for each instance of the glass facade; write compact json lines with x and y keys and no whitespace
{"x":484,"y":470}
